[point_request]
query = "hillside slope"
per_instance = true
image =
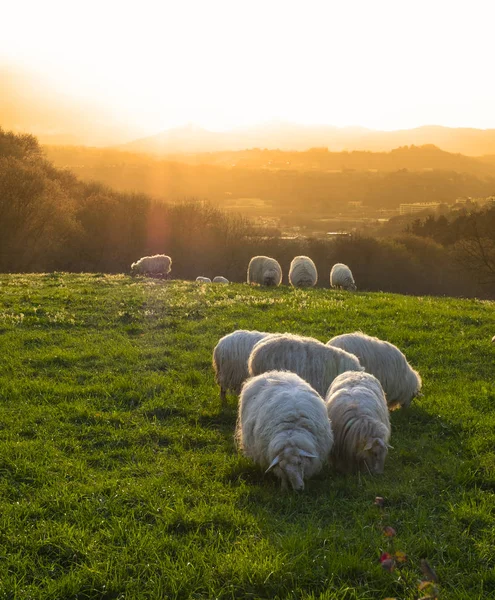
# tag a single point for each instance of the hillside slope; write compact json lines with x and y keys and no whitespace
{"x":120,"y":476}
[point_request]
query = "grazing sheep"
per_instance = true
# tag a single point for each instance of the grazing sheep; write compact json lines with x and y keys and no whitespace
{"x":220,"y":279}
{"x":358,"y":411}
{"x":400,"y":382}
{"x":264,"y":270}
{"x":493,"y":339}
{"x":307,"y":357}
{"x":341,"y":277}
{"x":159,"y":264}
{"x":201,"y":279}
{"x":283,"y":426}
{"x":230,"y":359}
{"x":302,"y":272}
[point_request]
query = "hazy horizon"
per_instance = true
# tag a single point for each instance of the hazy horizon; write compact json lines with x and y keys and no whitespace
{"x":125,"y":73}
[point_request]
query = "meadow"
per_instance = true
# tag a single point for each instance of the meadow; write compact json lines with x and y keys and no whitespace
{"x":119,"y":477}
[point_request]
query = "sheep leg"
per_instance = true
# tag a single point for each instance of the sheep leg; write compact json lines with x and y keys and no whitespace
{"x":223,"y":397}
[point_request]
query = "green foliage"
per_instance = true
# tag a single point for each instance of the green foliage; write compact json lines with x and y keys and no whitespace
{"x":52,"y":221}
{"x":120,"y":478}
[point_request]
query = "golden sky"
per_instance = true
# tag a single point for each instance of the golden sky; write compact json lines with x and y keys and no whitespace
{"x":383,"y":64}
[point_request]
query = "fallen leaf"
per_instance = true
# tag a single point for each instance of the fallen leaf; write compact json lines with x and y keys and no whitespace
{"x":427,"y":571}
{"x":379,"y":501}
{"x":389,"y":531}
{"x":388,"y":564}
{"x":400,"y":556}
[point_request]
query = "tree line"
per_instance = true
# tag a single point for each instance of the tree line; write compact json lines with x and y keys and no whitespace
{"x":52,"y":221}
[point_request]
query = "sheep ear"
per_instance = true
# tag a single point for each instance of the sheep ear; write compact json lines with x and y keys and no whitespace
{"x":389,"y":446}
{"x":275,"y":461}
{"x":369,"y":445}
{"x":304,"y":453}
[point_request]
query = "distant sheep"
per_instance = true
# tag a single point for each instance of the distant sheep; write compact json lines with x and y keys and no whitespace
{"x":493,"y":339}
{"x":200,"y":279}
{"x":359,"y":414}
{"x":341,"y":277}
{"x":307,"y":357}
{"x":302,"y":272}
{"x":400,"y":382}
{"x":230,"y":359}
{"x":220,"y":279}
{"x":283,"y":426}
{"x":159,"y":264}
{"x":265,"y":271}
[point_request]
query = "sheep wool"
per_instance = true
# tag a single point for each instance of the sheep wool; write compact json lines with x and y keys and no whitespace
{"x":264,"y":271}
{"x":400,"y":382}
{"x":159,"y":264}
{"x":220,"y":279}
{"x":201,"y":279}
{"x":283,"y":426}
{"x":302,"y":272}
{"x":360,"y":419}
{"x":341,"y":277}
{"x":307,"y":357}
{"x":230,"y":359}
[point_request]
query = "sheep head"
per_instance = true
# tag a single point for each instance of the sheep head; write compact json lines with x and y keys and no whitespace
{"x":373,"y":455}
{"x":289,"y":467}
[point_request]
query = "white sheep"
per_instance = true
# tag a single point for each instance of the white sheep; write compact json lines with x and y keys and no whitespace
{"x":307,"y":357}
{"x":264,"y":270}
{"x":493,"y":339}
{"x":230,"y":359}
{"x":201,"y":279}
{"x":400,"y":382}
{"x":159,"y":264}
{"x":220,"y":279}
{"x":302,"y":272}
{"x":341,"y":277}
{"x":360,"y":419}
{"x":283,"y":426}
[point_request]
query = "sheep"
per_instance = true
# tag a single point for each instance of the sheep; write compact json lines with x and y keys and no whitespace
{"x":493,"y":339}
{"x":265,"y":271}
{"x":360,"y":419}
{"x":307,"y":357}
{"x":302,"y":272}
{"x":201,"y":279}
{"x":400,"y":382}
{"x":230,"y":360}
{"x":220,"y":279}
{"x":159,"y":264}
{"x":283,"y":426}
{"x":341,"y":277}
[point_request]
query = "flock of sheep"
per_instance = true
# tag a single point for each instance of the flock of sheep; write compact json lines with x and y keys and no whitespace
{"x":262,"y":270}
{"x":303,"y":403}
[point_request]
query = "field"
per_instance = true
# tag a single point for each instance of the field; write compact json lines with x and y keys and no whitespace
{"x":119,"y":477}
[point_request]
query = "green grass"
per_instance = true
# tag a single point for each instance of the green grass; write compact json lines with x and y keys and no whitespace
{"x":119,"y":478}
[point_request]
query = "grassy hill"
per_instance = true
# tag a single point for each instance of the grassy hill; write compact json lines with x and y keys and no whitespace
{"x":120,"y":478}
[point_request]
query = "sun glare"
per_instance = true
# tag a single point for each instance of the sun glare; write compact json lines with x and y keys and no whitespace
{"x":383,"y":65}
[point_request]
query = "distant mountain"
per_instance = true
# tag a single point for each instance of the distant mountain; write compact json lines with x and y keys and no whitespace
{"x":288,"y":136}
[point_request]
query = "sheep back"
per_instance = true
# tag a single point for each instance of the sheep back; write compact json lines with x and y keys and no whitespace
{"x":302,"y":272}
{"x":230,"y":358}
{"x":341,"y":277}
{"x":400,"y":382}
{"x":305,"y":356}
{"x":159,"y":264}
{"x":264,"y":271}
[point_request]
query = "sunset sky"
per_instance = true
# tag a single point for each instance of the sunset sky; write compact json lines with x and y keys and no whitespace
{"x":221,"y":64}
